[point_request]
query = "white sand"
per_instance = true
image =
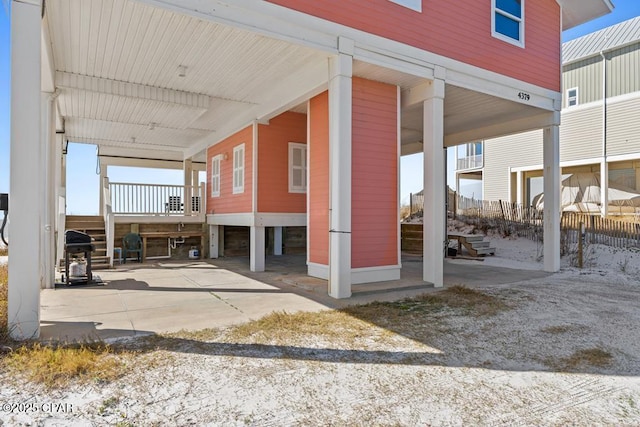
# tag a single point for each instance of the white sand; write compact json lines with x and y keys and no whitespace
{"x":501,"y":370}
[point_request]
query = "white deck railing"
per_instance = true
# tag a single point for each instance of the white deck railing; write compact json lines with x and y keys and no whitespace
{"x":470,"y":162}
{"x":154,"y":199}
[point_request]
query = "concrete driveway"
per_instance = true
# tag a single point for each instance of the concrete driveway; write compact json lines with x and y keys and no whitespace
{"x":140,"y":299}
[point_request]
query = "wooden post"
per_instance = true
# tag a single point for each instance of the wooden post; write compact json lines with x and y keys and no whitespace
{"x":455,"y":204}
{"x":580,"y":238}
{"x":410,"y":204}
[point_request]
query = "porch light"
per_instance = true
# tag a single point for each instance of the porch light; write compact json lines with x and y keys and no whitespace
{"x":182,"y":71}
{"x":152,"y":126}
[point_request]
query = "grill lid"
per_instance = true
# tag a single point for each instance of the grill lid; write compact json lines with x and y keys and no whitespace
{"x":76,"y":237}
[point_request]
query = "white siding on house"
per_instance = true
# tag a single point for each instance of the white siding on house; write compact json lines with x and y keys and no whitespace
{"x":623,"y":127}
{"x":581,"y":134}
{"x":518,"y":150}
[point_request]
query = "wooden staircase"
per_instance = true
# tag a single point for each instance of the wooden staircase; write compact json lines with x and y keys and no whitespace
{"x":93,"y":226}
{"x":473,"y":243}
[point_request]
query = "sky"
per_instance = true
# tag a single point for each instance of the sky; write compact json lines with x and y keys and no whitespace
{"x":83,"y":183}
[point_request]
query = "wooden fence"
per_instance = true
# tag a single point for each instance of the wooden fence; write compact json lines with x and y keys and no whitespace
{"x":526,"y":221}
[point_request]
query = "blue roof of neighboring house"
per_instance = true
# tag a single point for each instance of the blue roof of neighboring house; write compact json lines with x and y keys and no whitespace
{"x":608,"y":38}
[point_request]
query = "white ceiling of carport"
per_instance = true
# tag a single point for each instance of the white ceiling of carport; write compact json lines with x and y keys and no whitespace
{"x":124,"y":41}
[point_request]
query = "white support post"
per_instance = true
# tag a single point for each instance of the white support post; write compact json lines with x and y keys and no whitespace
{"x":57,"y":184}
{"x":519,"y":187}
{"x":434,"y":185}
{"x":188,"y":185}
{"x":277,"y":240}
{"x":47,"y":138}
{"x":552,"y":199}
{"x":214,"y":239}
{"x":103,"y":177}
{"x":340,"y":132}
{"x":256,"y":258}
{"x":27,"y":184}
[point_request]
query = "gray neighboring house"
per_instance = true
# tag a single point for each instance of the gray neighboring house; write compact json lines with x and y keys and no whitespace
{"x":600,"y":130}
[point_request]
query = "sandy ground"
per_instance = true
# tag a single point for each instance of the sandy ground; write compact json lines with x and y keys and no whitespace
{"x":518,"y":367}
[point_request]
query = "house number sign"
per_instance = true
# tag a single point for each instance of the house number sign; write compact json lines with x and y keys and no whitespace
{"x":524,"y":96}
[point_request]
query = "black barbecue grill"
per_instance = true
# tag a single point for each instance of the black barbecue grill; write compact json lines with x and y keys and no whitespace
{"x":76,"y":242}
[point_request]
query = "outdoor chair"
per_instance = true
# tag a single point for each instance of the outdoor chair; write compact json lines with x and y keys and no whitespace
{"x":132,"y":243}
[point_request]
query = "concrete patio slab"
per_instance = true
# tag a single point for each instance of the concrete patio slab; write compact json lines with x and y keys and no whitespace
{"x":139,"y":299}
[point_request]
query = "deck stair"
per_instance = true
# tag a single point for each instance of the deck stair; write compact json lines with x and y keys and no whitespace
{"x":93,"y":226}
{"x":473,"y":243}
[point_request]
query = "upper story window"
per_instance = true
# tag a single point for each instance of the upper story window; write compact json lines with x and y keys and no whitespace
{"x":297,"y":168}
{"x":215,"y":176}
{"x":507,"y":18}
{"x":411,"y":4}
{"x":238,"y":169}
{"x":572,"y":97}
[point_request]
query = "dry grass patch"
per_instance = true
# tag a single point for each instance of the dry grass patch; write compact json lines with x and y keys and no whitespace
{"x":4,"y":251}
{"x":282,"y":327}
{"x":590,"y":357}
{"x":4,"y":327}
{"x":57,"y":365}
{"x":456,"y":300}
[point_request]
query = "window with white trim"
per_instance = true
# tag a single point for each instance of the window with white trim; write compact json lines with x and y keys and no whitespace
{"x":297,"y":167}
{"x":572,"y":97}
{"x":411,"y":4}
{"x":215,"y":175}
{"x":507,"y":21}
{"x":238,"y":169}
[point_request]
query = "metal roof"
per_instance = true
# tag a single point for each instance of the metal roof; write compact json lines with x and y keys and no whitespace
{"x":608,"y":38}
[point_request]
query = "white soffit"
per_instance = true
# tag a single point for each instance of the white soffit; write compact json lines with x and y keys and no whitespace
{"x":576,"y":12}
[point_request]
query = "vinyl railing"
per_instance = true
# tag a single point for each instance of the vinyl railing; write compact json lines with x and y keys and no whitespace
{"x":155,"y":199}
{"x":470,"y":162}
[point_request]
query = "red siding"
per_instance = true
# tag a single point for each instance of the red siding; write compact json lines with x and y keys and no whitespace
{"x":273,"y":163}
{"x":459,"y":30}
{"x":374,"y":224}
{"x":229,"y":202}
{"x":318,"y":188}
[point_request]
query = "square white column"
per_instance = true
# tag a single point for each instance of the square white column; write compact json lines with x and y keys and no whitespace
{"x":435,"y":218}
{"x":551,"y":199}
{"x":277,"y":240}
{"x":340,"y":132}
{"x":188,"y":183}
{"x":47,"y":218}
{"x":27,"y":183}
{"x":256,"y":248}
{"x":214,"y":241}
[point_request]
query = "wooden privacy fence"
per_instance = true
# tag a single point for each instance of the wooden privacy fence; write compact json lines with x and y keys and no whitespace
{"x":527,"y":221}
